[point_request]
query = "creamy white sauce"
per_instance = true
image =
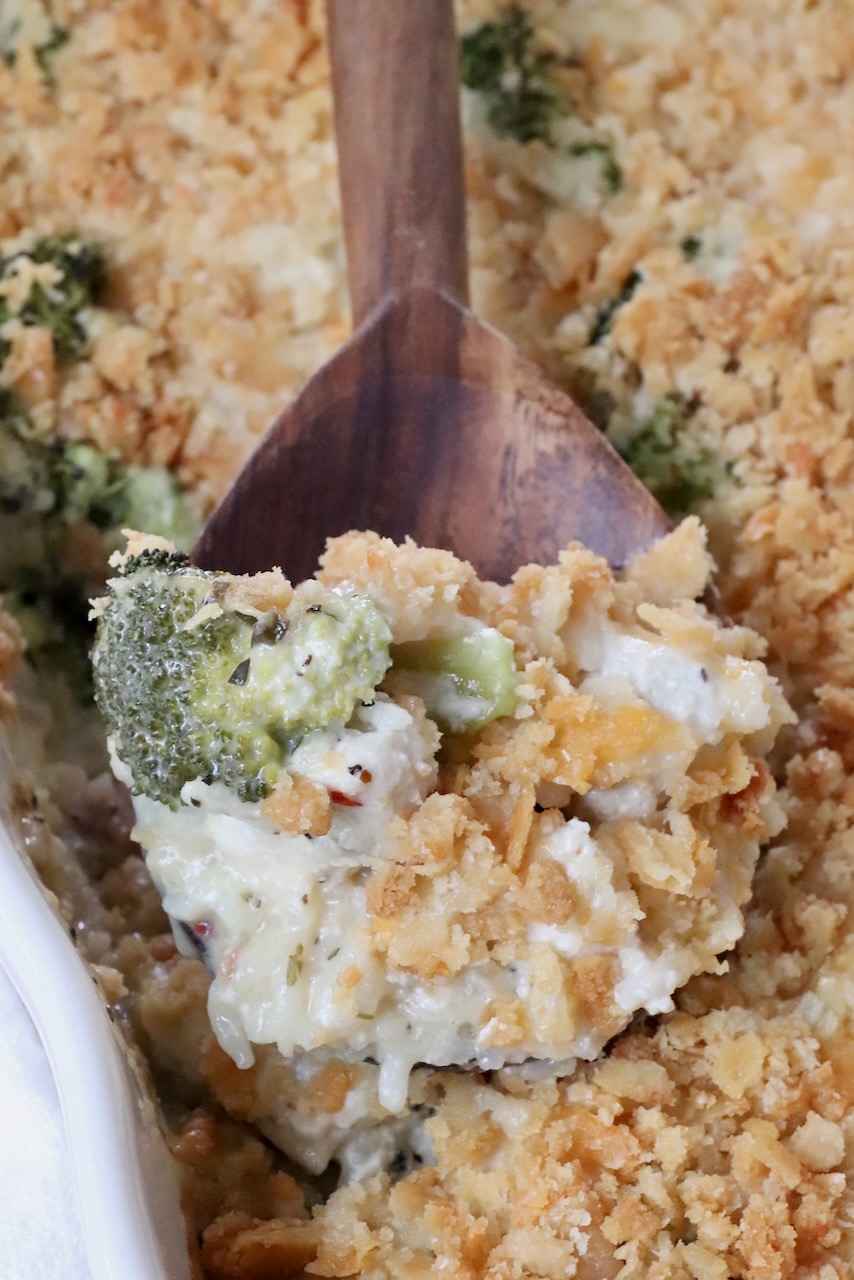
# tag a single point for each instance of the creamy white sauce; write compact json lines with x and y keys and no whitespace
{"x":285,"y":917}
{"x":591,"y":869}
{"x":365,"y":1152}
{"x":712,"y":696}
{"x":566,"y":942}
{"x":285,"y":921}
{"x":452,"y":708}
{"x":361,"y":1135}
{"x":628,"y":800}
{"x":648,"y":982}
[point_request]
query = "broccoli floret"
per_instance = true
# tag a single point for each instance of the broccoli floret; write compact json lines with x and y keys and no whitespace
{"x":677,"y":470}
{"x":78,"y":280}
{"x":50,"y":490}
{"x":502,"y":62}
{"x":63,"y":480}
{"x":154,"y":558}
{"x":63,"y":503}
{"x":26,"y":501}
{"x":153,"y":500}
{"x":192,"y":689}
{"x":96,"y":485}
{"x":88,"y":484}
{"x":67,"y":481}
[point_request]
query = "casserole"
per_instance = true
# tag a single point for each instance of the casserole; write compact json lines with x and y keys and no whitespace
{"x":696,"y":291}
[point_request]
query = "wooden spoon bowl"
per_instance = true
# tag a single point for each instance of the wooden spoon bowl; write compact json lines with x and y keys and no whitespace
{"x":427,"y":422}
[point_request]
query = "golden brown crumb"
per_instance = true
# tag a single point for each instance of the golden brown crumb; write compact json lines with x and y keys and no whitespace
{"x":236,"y":1247}
{"x":299,"y":806}
{"x":700,"y":1146}
{"x":109,"y":982}
{"x":227,"y":1169}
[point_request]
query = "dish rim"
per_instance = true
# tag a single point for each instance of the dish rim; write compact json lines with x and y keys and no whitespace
{"x":126,"y":1186}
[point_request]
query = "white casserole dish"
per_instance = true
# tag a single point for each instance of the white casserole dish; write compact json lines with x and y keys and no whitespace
{"x":125,"y":1181}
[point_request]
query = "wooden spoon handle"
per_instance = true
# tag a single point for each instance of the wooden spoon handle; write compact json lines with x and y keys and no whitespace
{"x":397,"y":120}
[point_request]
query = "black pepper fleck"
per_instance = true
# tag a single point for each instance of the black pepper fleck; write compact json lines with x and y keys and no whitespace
{"x":270,"y":629}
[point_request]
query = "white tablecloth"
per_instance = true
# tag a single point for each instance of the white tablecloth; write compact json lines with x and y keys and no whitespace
{"x":39,"y":1234}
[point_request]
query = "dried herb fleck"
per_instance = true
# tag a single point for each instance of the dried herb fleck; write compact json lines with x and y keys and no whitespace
{"x":295,"y":967}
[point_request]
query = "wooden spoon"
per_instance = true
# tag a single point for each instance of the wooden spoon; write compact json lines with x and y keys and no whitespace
{"x":427,"y":422}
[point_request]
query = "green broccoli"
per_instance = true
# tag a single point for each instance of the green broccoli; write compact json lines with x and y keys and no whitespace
{"x":97,"y":485}
{"x":63,"y":482}
{"x":192,"y":689}
{"x":88,"y":484}
{"x":465,"y":681}
{"x":49,"y":489}
{"x":154,"y":501}
{"x":79,"y":279}
{"x":501,"y":62}
{"x":679,"y":472}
